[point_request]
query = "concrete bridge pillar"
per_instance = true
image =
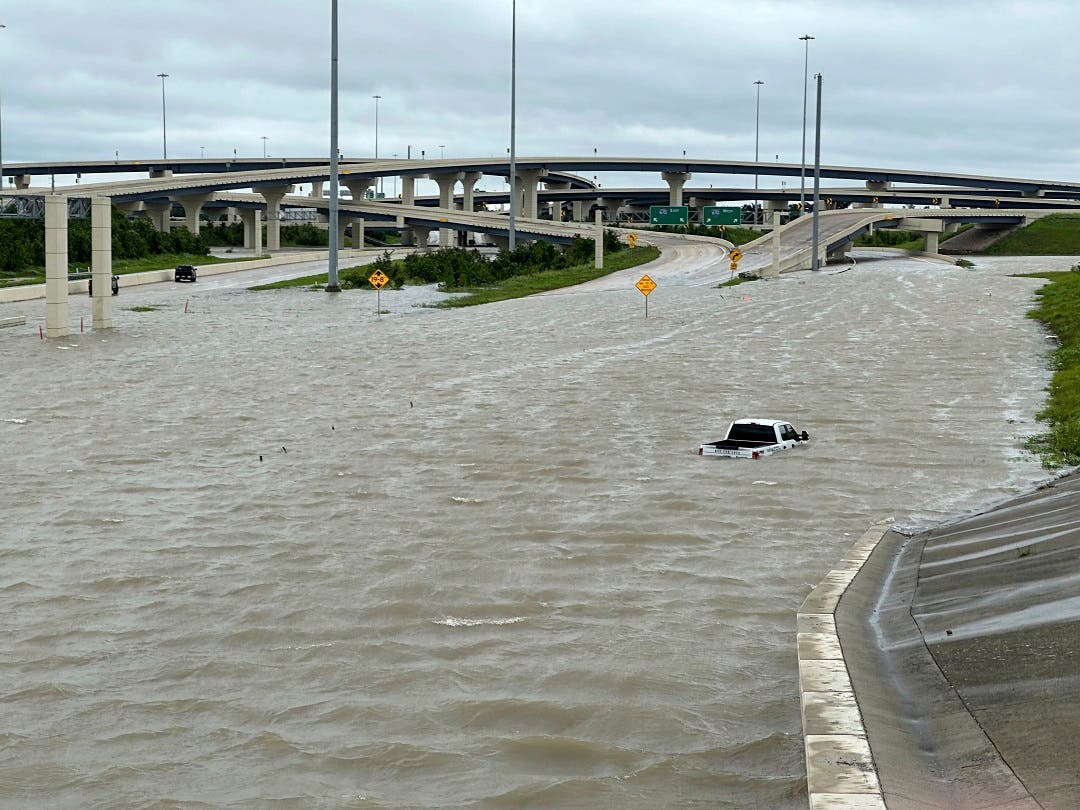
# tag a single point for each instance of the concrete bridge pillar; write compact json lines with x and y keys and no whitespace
{"x":101,"y":261}
{"x":676,"y":181}
{"x":22,"y":181}
{"x":408,"y":197}
{"x":468,"y":185}
{"x":358,"y":186}
{"x":527,"y":182}
{"x":610,"y":206}
{"x":192,"y":205}
{"x":446,"y":181}
{"x":556,"y":205}
{"x":160,"y":214}
{"x":578,"y":213}
{"x":252,"y":219}
{"x":316,"y":189}
{"x":501,"y":242}
{"x":932,"y":243}
{"x":130,"y":209}
{"x":358,"y":233}
{"x":56,"y":266}
{"x":273,"y":195}
{"x":420,"y":235}
{"x":158,"y":174}
{"x":342,"y":226}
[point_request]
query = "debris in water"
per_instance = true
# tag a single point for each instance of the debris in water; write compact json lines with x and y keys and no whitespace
{"x":283,"y":450}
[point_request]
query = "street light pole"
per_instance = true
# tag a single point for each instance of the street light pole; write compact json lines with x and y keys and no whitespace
{"x":332,"y":264}
{"x":757,"y":131}
{"x":164,"y":142}
{"x":2,"y":26}
{"x":377,"y":135}
{"x":817,"y":175}
{"x":513,"y":125}
{"x":441,"y":153}
{"x":802,"y":174}
{"x":264,"y":140}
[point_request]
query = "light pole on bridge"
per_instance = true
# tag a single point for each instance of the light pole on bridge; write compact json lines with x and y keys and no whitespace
{"x":512,"y":180}
{"x":164,"y":141}
{"x":2,"y":26}
{"x":802,"y":174}
{"x":264,"y":140}
{"x":757,"y":131}
{"x":377,"y":135}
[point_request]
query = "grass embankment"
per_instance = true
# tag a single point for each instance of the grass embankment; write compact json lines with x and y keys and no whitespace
{"x":1055,"y":235}
{"x":1059,"y":309}
{"x":732,"y":233}
{"x":520,"y":286}
{"x":515,"y":287}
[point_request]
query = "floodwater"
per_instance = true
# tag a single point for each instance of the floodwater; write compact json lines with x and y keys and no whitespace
{"x":281,"y":551}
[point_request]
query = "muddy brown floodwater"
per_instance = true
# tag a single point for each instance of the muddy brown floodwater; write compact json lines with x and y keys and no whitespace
{"x":280,"y":548}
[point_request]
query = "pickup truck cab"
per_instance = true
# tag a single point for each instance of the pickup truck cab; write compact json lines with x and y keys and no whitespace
{"x":754,"y":438}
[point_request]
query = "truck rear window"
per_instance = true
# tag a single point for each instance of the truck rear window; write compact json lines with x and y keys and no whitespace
{"x":752,"y":433}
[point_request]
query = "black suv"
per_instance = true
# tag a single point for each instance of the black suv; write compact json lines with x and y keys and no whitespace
{"x":184,"y":272}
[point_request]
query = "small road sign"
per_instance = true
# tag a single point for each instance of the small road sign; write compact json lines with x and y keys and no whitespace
{"x":378,"y":279}
{"x":646,"y":285}
{"x":631,"y":239}
{"x":734,"y":266}
{"x":668,"y":215}
{"x":735,"y":255}
{"x":721,"y":215}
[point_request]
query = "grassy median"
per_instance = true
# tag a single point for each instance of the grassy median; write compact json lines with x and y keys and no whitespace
{"x":1059,"y":309}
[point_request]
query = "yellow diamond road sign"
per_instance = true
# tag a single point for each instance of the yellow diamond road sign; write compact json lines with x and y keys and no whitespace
{"x":378,"y":279}
{"x":735,"y":255}
{"x":646,"y":285}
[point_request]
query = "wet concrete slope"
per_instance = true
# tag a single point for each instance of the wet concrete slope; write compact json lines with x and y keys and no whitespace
{"x":963,"y":645}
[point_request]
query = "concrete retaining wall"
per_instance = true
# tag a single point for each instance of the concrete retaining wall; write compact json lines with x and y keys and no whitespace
{"x":840,"y":770}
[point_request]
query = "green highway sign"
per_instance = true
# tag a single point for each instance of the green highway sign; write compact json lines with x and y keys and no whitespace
{"x":721,"y":215}
{"x":668,"y":215}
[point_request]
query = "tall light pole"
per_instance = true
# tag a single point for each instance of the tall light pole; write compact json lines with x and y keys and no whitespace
{"x":332,"y":263}
{"x":164,"y":142}
{"x":2,"y":26}
{"x":264,"y":140}
{"x":757,"y":131}
{"x":377,"y":135}
{"x":817,"y":176}
{"x":802,"y":174}
{"x":513,"y":125}
{"x":441,"y":152}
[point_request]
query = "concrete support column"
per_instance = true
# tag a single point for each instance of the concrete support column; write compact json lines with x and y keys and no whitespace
{"x":612,"y":206}
{"x":158,"y":174}
{"x":776,"y":244}
{"x":556,"y":205}
{"x":252,"y":219}
{"x":598,"y":252}
{"x":358,"y":186}
{"x":578,"y":212}
{"x":420,"y":235}
{"x":101,"y":261}
{"x":342,"y":226}
{"x":358,"y":233}
{"x":468,"y":190}
{"x":160,"y":214}
{"x":527,"y":182}
{"x":931,"y":243}
{"x":408,"y":197}
{"x":501,"y":242}
{"x":676,"y":181}
{"x":56,"y":266}
{"x":273,"y":195}
{"x":446,"y":181}
{"x":192,"y":205}
{"x":22,"y":182}
{"x":316,"y":189}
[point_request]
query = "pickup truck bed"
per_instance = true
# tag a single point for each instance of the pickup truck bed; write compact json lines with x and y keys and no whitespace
{"x":754,"y":438}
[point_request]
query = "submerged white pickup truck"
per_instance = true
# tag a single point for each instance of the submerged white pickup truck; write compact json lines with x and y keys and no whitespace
{"x":754,"y":438}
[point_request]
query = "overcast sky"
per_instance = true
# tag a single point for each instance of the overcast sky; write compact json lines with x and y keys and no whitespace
{"x":955,"y":85}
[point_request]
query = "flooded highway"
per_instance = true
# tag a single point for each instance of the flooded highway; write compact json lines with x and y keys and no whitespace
{"x":282,"y":548}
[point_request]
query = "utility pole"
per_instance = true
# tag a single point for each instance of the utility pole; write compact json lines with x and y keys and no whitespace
{"x":802,"y":174}
{"x":332,"y":265}
{"x":817,"y":174}
{"x":757,"y":130}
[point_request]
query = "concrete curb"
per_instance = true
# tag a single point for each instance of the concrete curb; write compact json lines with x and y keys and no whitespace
{"x":29,"y":292}
{"x":840,"y":769}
